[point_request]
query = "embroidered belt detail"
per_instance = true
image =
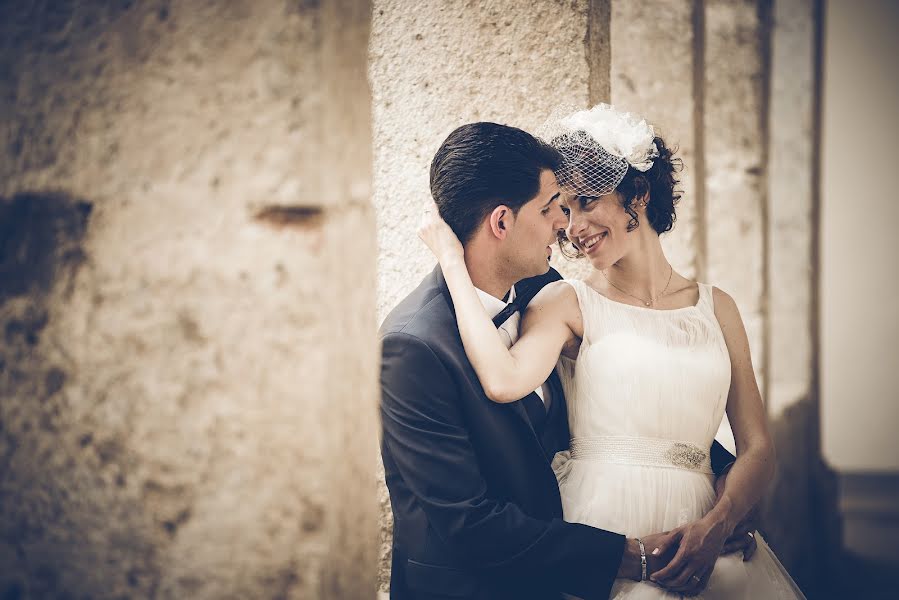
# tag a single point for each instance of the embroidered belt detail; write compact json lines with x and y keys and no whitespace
{"x":649,"y":452}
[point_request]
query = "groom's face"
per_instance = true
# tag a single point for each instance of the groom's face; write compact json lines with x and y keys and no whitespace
{"x":529,"y":244}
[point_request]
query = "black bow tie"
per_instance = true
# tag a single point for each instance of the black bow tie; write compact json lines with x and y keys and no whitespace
{"x":510,"y":309}
{"x":524,"y":291}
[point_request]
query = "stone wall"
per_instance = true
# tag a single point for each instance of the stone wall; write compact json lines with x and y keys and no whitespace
{"x":187,"y":301}
{"x":732,"y":84}
{"x":802,"y":501}
{"x":439,"y":66}
{"x":443,"y":64}
{"x":186,"y":352}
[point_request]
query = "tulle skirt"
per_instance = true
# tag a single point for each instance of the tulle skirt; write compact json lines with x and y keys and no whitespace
{"x":638,"y":500}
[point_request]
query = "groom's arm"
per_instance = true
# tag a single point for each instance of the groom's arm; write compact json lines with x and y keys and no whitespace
{"x":429,"y":442}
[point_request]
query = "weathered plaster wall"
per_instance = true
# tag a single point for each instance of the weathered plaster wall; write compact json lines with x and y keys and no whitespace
{"x":733,"y":127}
{"x":188,"y":369}
{"x":801,"y":486}
{"x":434,"y":66}
{"x":652,"y":71}
{"x":731,"y":83}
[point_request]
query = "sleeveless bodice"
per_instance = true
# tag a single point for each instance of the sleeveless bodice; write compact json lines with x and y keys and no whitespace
{"x":645,"y":397}
{"x":647,"y":373}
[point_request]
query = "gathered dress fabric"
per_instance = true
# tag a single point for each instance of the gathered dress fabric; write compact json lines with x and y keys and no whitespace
{"x":646,"y":396}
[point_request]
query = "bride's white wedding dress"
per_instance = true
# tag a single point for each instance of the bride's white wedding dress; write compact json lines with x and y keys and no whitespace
{"x":645,"y":398}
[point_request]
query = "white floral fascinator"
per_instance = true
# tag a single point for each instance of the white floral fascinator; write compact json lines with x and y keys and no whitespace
{"x":598,"y":145}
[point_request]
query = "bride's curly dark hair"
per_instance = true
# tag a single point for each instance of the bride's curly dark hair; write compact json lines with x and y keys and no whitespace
{"x":660,"y":181}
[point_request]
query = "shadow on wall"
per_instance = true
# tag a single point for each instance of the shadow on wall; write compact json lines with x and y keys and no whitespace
{"x":40,"y":234}
{"x":42,"y":523}
{"x":802,"y":521}
{"x":800,"y":517}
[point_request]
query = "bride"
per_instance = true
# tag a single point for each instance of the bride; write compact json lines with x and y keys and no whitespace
{"x":649,"y":361}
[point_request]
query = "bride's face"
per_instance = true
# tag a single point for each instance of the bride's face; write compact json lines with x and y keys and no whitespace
{"x":597,"y":226}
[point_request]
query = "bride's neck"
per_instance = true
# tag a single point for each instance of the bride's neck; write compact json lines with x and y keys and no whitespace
{"x":644,"y":270}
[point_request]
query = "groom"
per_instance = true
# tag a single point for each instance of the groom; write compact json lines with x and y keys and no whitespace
{"x":477,"y":511}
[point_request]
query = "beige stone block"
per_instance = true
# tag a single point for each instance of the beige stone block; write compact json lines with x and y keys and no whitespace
{"x":792,"y":404}
{"x":790,"y":203}
{"x":189,"y":376}
{"x":438,"y":66}
{"x":734,"y":142}
{"x":443,"y":64}
{"x":652,"y":75}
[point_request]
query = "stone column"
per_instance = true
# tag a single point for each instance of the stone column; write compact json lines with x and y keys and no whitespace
{"x":448,"y":63}
{"x":734,"y":101}
{"x":654,"y":51}
{"x":795,"y":529}
{"x":436,"y":67}
{"x":734,"y":130}
{"x":791,"y":206}
{"x":189,"y":364}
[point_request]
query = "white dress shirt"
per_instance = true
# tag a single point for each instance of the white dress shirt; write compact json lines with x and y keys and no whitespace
{"x":508,"y":330}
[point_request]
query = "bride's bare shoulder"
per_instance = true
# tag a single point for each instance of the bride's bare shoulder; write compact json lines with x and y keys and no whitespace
{"x":557,"y":295}
{"x":559,"y":300}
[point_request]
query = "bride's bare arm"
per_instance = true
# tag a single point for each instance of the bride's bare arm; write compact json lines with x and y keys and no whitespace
{"x":508,"y":375}
{"x":750,"y":474}
{"x":753,"y":470}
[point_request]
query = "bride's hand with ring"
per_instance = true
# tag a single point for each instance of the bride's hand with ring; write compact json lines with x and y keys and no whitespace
{"x":699,"y":545}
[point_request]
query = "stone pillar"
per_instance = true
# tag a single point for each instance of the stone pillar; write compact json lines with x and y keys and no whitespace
{"x":189,"y":365}
{"x":445,"y":64}
{"x":654,"y":47}
{"x":734,"y":130}
{"x":439,"y":66}
{"x":858,"y":321}
{"x":792,"y":154}
{"x":795,"y":529}
{"x":734,"y":100}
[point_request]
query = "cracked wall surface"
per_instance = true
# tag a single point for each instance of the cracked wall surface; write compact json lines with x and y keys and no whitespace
{"x":189,"y":367}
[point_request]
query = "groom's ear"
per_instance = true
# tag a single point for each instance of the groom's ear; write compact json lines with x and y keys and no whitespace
{"x":501,"y":219}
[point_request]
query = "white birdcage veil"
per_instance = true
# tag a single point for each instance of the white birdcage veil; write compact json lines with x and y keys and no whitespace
{"x":597,"y":145}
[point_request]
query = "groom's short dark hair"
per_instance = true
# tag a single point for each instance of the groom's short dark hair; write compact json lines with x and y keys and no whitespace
{"x":482,"y":165}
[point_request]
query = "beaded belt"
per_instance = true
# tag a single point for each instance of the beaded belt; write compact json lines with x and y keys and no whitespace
{"x":649,"y":452}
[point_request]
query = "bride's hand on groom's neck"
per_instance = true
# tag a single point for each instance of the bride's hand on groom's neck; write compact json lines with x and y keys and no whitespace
{"x":439,"y":237}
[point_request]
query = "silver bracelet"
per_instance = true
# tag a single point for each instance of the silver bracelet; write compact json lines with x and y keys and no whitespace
{"x":642,"y":560}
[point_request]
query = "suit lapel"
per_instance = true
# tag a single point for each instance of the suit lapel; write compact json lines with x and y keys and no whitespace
{"x":556,"y":435}
{"x":521,"y":410}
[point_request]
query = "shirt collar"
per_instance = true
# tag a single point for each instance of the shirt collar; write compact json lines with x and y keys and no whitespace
{"x":492,"y":304}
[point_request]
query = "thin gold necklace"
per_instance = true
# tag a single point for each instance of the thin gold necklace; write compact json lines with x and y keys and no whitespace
{"x":651,"y":300}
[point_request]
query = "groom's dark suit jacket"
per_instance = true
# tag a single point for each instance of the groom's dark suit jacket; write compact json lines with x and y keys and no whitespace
{"x":476,"y":506}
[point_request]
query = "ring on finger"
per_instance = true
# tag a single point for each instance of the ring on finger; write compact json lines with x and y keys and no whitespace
{"x":750,"y":534}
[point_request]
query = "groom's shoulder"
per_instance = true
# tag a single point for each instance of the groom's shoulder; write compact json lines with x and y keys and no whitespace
{"x":424,"y":313}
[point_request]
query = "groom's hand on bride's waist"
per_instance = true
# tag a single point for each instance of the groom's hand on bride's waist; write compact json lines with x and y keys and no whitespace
{"x":631,"y":562}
